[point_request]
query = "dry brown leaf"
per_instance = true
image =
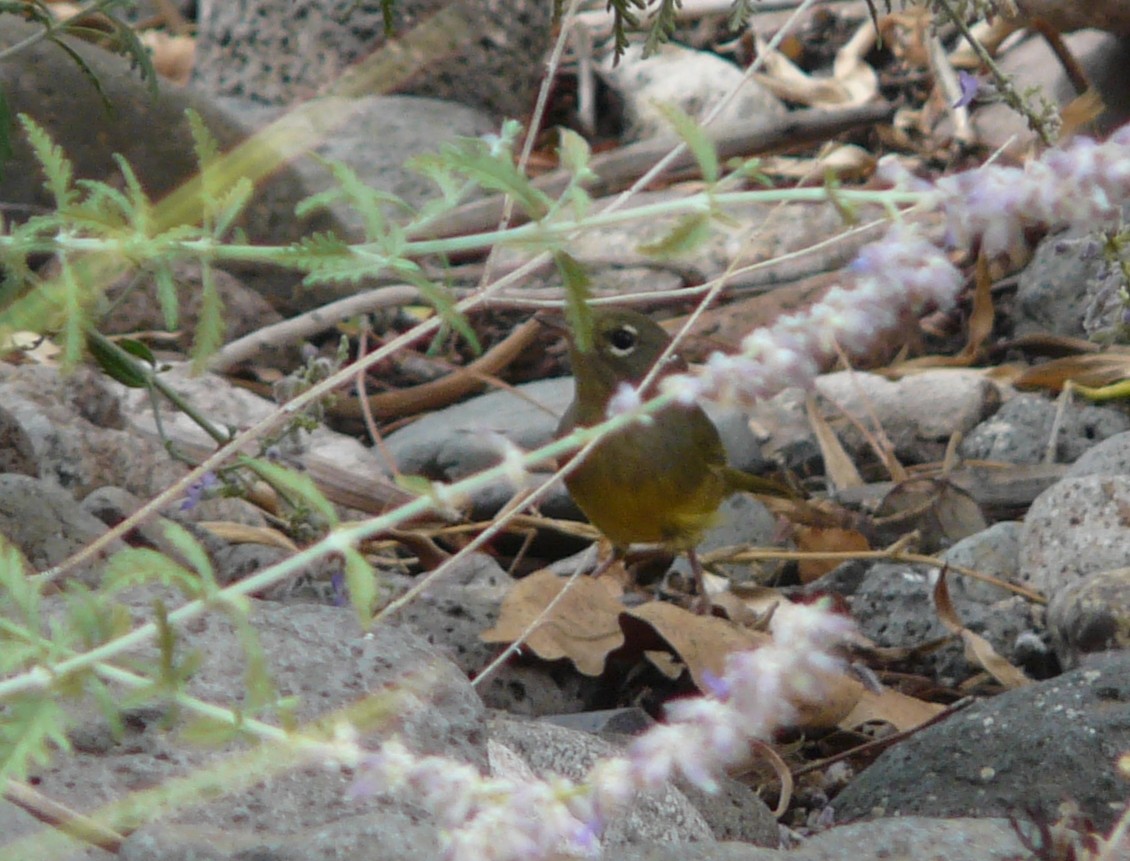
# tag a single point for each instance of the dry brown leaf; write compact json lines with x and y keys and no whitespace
{"x":824,"y":540}
{"x":892,"y":707}
{"x":1077,"y":114}
{"x":938,"y":509}
{"x":702,"y":642}
{"x":173,"y":56}
{"x":838,"y":465}
{"x":666,"y":663}
{"x":241,"y":533}
{"x":978,"y":650}
{"x":840,"y":694}
{"x":583,"y":626}
{"x":1092,"y":369}
{"x":845,"y":161}
{"x":853,"y":81}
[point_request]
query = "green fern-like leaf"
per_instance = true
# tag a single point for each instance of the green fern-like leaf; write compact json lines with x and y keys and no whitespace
{"x":56,"y":166}
{"x":695,"y":138}
{"x":328,"y":259}
{"x":125,"y":43}
{"x":166,"y":288}
{"x":32,"y":729}
{"x":740,"y":13}
{"x":141,"y":211}
{"x":193,"y":553}
{"x":663,"y":26}
{"x":91,"y":619}
{"x":295,"y":486}
{"x":74,"y":331}
{"x":210,"y":328}
{"x":444,"y":305}
{"x":490,"y":165}
{"x":688,"y":234}
{"x":85,"y":68}
{"x":578,"y":314}
{"x":574,"y":153}
{"x":102,"y":210}
{"x":361,"y":581}
{"x":623,"y":18}
{"x":367,"y":201}
{"x":139,"y":565}
{"x":230,"y":206}
{"x":17,"y":590}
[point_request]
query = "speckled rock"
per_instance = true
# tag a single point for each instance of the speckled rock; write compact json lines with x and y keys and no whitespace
{"x":1076,"y":527}
{"x":281,"y":51}
{"x":1091,"y":615}
{"x":1019,"y":753}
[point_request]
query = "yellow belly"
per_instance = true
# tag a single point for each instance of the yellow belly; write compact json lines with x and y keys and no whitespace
{"x":642,"y":485}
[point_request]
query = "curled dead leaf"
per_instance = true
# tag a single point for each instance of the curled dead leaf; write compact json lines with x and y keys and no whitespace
{"x":582,"y":626}
{"x":978,"y":650}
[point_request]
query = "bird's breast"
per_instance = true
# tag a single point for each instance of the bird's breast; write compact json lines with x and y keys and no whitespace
{"x":653,"y":482}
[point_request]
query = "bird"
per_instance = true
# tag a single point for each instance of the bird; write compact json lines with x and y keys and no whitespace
{"x":659,"y":481}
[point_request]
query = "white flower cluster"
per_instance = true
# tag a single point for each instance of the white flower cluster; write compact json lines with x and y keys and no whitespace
{"x":903,"y":274}
{"x":504,"y":819}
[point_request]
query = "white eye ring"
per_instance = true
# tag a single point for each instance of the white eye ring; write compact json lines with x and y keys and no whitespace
{"x":620,"y":352}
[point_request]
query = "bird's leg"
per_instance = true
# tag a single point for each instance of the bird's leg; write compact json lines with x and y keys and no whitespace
{"x":606,"y":563}
{"x":701,"y":602}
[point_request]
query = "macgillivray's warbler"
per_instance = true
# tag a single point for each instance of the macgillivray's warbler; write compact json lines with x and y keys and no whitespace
{"x":654,"y":482}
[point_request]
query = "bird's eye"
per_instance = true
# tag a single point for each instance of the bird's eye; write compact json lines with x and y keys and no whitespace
{"x":623,"y":339}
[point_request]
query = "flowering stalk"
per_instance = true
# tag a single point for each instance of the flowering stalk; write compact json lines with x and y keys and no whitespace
{"x":903,"y":274}
{"x":503,"y":818}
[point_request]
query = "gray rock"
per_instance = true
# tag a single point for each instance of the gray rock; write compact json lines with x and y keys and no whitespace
{"x":701,"y":851}
{"x":458,"y":607}
{"x":44,"y":522}
{"x":735,"y":812}
{"x":893,"y":606}
{"x":71,"y":430}
{"x":1015,"y":754}
{"x":320,"y":656}
{"x":139,"y":310}
{"x":1057,"y":289}
{"x":1020,"y":431}
{"x":1076,"y":527}
{"x":455,"y":442}
{"x":1091,"y":615}
{"x":380,"y":836}
{"x":375,"y":136}
{"x":1111,"y":456}
{"x":918,"y":413}
{"x":282,"y":52}
{"x":1102,"y":57}
{"x":994,"y":551}
{"x":906,"y":838}
{"x":153,"y":135}
{"x":661,"y":816}
{"x":694,"y":81}
{"x":743,"y":521}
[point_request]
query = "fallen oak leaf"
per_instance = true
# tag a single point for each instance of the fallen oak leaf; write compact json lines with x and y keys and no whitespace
{"x":701,"y":642}
{"x":583,"y":626}
{"x":889,"y":706}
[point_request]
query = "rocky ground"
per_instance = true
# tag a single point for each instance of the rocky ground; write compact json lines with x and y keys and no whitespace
{"x":1026,"y":707}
